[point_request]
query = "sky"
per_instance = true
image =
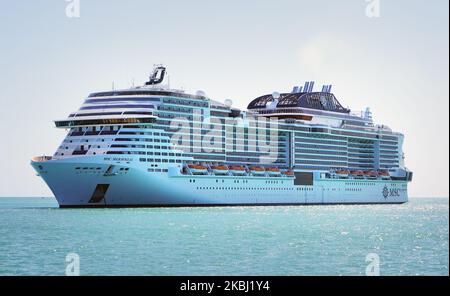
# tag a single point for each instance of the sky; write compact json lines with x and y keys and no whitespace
{"x":393,"y":59}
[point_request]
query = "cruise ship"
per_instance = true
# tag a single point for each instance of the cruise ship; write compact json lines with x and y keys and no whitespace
{"x":152,"y":145}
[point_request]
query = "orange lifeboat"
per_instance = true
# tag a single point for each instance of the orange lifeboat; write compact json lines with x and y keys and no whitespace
{"x":257,"y":170}
{"x":384,"y":175}
{"x":371,"y":174}
{"x":342,"y":173}
{"x":357,"y":174}
{"x":197,"y":169}
{"x":220,"y":169}
{"x":273,"y":171}
{"x":289,"y":173}
{"x":237,"y":170}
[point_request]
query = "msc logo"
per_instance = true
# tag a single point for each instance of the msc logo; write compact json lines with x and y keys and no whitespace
{"x":390,"y":192}
{"x":385,"y":191}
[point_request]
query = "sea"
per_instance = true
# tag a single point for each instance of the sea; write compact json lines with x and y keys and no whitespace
{"x":38,"y":238}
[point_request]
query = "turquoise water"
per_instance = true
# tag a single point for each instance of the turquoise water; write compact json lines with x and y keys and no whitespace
{"x":36,"y":236}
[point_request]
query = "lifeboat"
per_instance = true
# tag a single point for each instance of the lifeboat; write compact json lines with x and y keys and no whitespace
{"x":384,"y":175}
{"x":289,"y":173}
{"x":220,"y":169}
{"x":273,"y":172}
{"x":237,"y":170}
{"x":257,"y":171}
{"x":197,"y":169}
{"x":342,"y":173}
{"x":371,"y":174}
{"x":357,"y":174}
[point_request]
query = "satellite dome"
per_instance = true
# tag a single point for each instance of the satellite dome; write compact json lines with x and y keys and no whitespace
{"x":228,"y":102}
{"x":200,"y":93}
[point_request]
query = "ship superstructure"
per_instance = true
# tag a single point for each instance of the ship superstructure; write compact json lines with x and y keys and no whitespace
{"x":157,"y":146}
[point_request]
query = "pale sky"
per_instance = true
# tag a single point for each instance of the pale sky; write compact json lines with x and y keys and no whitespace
{"x":396,"y":63}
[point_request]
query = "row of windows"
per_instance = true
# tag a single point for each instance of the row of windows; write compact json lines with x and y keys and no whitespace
{"x":313,"y":151}
{"x":389,"y":156}
{"x":122,"y":99}
{"x":389,"y":142}
{"x":254,"y":160}
{"x":104,"y":121}
{"x":254,"y":154}
{"x":176,"y":109}
{"x":300,"y":142}
{"x":388,"y":152}
{"x":360,"y":160}
{"x":148,"y":147}
{"x":388,"y":147}
{"x":321,"y":147}
{"x":185,"y":102}
{"x":144,"y":153}
{"x":327,"y":137}
{"x":319,"y":157}
{"x":160,"y":160}
{"x":95,"y":114}
{"x":126,"y":152}
{"x":244,"y":181}
{"x":329,"y":163}
{"x":392,"y":138}
{"x":141,"y":140}
{"x":219,"y":114}
{"x":128,"y":106}
{"x":365,"y":151}
{"x":157,"y":170}
{"x":202,"y":156}
{"x":257,"y":188}
{"x":360,"y":183}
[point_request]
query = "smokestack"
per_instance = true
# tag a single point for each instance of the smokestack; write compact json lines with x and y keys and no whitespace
{"x":311,"y":86}
{"x":300,"y":89}
{"x":306,"y":88}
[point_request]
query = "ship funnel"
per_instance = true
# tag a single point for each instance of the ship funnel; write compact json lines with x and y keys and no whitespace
{"x":295,"y":89}
{"x":300,"y":89}
{"x":157,"y":76}
{"x":306,"y":87}
{"x":329,"y":88}
{"x":311,"y":86}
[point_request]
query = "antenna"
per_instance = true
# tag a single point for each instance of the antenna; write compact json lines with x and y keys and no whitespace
{"x":113,"y":85}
